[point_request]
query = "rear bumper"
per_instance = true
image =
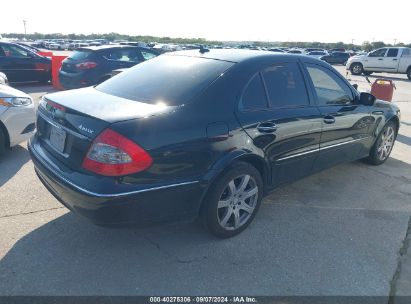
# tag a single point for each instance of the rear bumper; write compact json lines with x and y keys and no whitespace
{"x":142,"y":207}
{"x":74,"y":80}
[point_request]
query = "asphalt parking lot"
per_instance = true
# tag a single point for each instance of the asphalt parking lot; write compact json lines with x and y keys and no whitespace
{"x":338,"y":232}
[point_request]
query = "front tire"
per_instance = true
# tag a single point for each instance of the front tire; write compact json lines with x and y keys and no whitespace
{"x":383,"y":146}
{"x":232,"y":201}
{"x":356,"y":69}
{"x":3,"y":142}
{"x":409,"y":73}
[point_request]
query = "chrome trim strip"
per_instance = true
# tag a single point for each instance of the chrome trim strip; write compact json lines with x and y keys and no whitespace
{"x":322,"y":148}
{"x":298,"y":154}
{"x":102,"y":195}
{"x":343,"y":143}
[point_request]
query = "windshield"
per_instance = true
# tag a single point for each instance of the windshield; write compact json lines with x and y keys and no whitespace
{"x":172,"y":80}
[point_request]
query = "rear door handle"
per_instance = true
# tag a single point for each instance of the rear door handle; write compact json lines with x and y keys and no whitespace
{"x":267,"y":127}
{"x":329,"y":119}
{"x":379,"y":58}
{"x":395,"y":59}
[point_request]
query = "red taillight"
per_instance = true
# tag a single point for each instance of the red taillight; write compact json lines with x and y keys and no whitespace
{"x":111,"y":154}
{"x":86,"y":65}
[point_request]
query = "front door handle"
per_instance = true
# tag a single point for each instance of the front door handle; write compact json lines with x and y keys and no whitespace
{"x":395,"y":59}
{"x":267,"y":127}
{"x":329,"y":119}
{"x":379,"y":58}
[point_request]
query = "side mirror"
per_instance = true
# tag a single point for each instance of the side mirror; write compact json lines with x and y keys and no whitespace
{"x":355,"y":85}
{"x":367,"y":99}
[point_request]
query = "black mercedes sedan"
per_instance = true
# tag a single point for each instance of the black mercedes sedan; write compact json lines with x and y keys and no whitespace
{"x":203,"y":133}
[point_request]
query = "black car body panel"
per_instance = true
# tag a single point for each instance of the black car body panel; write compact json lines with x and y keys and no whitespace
{"x":191,"y":142}
{"x":22,"y":65}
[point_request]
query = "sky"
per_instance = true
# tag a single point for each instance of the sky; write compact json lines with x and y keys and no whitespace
{"x":226,"y":20}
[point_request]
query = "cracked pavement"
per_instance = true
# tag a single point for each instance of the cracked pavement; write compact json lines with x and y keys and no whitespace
{"x":340,"y":232}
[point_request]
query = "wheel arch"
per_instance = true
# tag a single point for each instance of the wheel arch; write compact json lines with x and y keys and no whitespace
{"x":396,"y":121}
{"x":228,"y":161}
{"x":3,"y":129}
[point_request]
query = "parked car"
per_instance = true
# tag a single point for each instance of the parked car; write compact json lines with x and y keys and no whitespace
{"x":317,"y":54}
{"x":92,"y":65}
{"x":3,"y":79}
{"x":336,"y":58}
{"x":276,"y":50}
{"x":203,"y":133}
{"x":53,"y":46}
{"x":21,"y":65}
{"x":295,"y":51}
{"x":17,"y":117}
{"x":395,"y":60}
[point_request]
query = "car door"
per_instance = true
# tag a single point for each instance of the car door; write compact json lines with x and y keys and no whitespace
{"x":345,"y":124}
{"x":120,"y":58}
{"x":391,"y":60}
{"x":375,"y":60}
{"x":17,"y":63}
{"x":276,"y":112}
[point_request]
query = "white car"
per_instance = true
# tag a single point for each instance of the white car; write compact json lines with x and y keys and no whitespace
{"x":388,"y":60}
{"x":3,"y":79}
{"x":17,"y":117}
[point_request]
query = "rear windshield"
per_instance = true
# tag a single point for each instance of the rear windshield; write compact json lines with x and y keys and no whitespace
{"x":172,"y":80}
{"x":80,"y":54}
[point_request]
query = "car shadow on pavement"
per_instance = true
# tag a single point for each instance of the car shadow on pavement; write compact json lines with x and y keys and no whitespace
{"x":310,"y":237}
{"x":393,"y":78}
{"x":31,"y":88}
{"x":404,"y":139}
{"x":11,"y":162}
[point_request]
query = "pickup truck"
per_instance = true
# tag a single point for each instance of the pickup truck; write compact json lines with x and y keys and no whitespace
{"x":388,"y":60}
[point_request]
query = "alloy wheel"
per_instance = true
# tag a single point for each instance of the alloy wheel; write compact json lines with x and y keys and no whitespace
{"x":237,"y":202}
{"x":357,"y":69}
{"x":386,"y":144}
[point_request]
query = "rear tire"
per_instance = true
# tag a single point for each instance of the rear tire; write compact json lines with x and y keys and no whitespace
{"x":409,"y":73}
{"x":232,"y":201}
{"x":356,"y":69}
{"x":383,"y":146}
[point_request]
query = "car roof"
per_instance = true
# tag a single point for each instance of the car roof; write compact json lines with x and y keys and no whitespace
{"x":232,"y":55}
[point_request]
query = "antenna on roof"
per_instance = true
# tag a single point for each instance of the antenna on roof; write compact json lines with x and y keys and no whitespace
{"x":203,"y":49}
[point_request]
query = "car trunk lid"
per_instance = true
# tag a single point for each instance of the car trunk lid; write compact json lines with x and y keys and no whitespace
{"x":69,"y":121}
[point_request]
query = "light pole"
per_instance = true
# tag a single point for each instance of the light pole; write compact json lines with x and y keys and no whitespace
{"x":395,"y":41}
{"x":25,"y":32}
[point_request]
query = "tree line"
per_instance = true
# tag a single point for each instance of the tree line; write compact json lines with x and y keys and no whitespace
{"x":365,"y":46}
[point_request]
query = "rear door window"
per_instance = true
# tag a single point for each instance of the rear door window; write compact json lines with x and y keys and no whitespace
{"x":285,"y":86}
{"x":148,"y":55}
{"x":392,"y":53}
{"x":166,"y":79}
{"x":254,"y":96}
{"x":123,"y":54}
